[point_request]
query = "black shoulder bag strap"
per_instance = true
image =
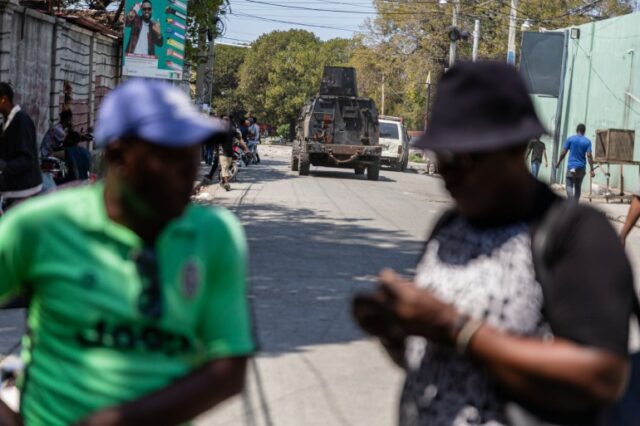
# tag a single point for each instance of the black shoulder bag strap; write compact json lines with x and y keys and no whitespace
{"x":543,"y":245}
{"x":626,"y":411}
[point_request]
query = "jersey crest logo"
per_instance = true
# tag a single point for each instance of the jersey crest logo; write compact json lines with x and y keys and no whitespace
{"x":190,"y":279}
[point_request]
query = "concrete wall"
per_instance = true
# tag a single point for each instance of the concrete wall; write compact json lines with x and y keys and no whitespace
{"x":51,"y":63}
{"x":601,"y":89}
{"x":25,"y":59}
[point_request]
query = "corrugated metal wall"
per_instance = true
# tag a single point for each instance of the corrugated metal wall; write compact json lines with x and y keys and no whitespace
{"x":53,"y":64}
{"x":601,"y":90}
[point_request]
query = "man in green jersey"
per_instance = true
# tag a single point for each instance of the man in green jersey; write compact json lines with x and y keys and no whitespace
{"x":138,"y":313}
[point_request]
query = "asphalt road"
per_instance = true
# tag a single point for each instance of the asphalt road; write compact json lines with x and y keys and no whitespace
{"x":315,"y":241}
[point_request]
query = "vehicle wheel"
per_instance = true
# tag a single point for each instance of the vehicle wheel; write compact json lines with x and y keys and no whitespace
{"x":398,"y":166}
{"x":233,"y":171}
{"x":405,"y":163}
{"x":304,"y":165}
{"x":373,"y":171}
{"x":359,"y":170}
{"x":294,"y":163}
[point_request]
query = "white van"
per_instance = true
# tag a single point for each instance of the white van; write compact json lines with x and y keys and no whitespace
{"x":394,"y":141}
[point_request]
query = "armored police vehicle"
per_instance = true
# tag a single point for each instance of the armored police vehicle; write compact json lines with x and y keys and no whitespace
{"x":337,"y":128}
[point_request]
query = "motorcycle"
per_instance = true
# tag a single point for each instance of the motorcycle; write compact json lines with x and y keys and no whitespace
{"x":55,"y":172}
{"x":240,"y":158}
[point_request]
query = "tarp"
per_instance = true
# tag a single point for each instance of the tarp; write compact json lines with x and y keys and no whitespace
{"x":541,"y":62}
{"x":339,"y":81}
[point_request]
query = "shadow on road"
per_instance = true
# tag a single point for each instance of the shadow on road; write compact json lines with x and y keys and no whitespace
{"x":306,"y":266}
{"x":268,"y":170}
{"x":345,"y":174}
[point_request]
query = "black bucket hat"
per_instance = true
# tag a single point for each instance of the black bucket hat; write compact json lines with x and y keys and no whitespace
{"x":480,"y":107}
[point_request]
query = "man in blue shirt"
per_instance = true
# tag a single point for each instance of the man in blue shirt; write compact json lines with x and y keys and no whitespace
{"x":579,"y":148}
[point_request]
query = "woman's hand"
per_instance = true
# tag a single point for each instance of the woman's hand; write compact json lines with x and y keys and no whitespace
{"x":398,"y":309}
{"x":418,"y":311}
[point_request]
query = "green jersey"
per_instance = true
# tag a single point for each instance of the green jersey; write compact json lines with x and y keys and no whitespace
{"x":92,"y":340}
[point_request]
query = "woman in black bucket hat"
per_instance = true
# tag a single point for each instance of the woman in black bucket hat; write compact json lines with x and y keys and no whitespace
{"x":488,"y":336}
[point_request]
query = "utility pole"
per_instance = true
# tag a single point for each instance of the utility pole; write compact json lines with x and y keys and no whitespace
{"x":454,"y":24}
{"x":511,"y":47}
{"x":476,"y":39}
{"x":382,"y":110}
{"x":426,"y":115}
{"x":204,"y":76}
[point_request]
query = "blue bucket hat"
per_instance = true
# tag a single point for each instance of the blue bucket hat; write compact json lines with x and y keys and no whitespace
{"x":156,"y":112}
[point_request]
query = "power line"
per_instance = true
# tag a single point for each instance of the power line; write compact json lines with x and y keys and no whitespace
{"x":303,"y":16}
{"x":292,"y":23}
{"x":273,"y":18}
{"x":578,"y":11}
{"x":378,"y":11}
{"x":358,"y":12}
{"x":236,"y":39}
{"x":342,"y":3}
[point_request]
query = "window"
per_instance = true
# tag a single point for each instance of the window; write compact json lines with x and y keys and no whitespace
{"x":389,"y":130}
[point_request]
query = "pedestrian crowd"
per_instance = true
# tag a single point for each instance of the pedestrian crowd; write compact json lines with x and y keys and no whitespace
{"x":518,"y":314}
{"x":64,"y":155}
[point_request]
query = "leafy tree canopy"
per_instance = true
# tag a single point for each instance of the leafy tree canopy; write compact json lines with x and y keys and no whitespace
{"x":407,"y":41}
{"x":283,"y":69}
{"x":228,"y":60}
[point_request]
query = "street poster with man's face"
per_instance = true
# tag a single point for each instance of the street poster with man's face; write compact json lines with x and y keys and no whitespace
{"x":154,"y":38}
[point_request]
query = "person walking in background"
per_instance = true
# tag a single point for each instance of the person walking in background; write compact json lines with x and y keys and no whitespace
{"x":579,"y":148}
{"x":222,"y":155}
{"x":253,"y":135}
{"x":537,"y":151}
{"x":20,"y":175}
{"x":484,"y":335}
{"x":207,"y":147}
{"x":244,"y":129}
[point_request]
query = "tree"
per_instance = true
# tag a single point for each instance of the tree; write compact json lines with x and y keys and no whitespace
{"x":407,"y":40}
{"x":283,"y":70}
{"x":336,"y":52}
{"x":226,"y":78}
{"x":204,"y":21}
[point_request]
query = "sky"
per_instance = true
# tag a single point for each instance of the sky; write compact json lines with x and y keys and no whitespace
{"x":249,"y":19}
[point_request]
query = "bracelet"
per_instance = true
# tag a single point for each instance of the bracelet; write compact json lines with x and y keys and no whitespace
{"x":460,"y":321}
{"x":466,"y":334}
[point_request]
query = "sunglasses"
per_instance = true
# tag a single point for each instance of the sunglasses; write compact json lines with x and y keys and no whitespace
{"x":450,"y":161}
{"x":150,"y":300}
{"x":146,"y":9}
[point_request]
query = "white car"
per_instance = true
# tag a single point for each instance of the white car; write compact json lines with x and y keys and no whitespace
{"x":394,"y":141}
